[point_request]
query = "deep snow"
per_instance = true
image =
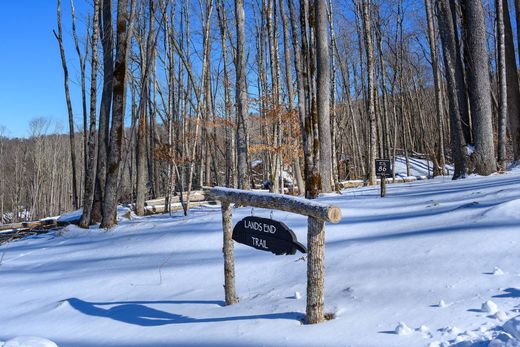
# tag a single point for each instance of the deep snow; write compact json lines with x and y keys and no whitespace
{"x":434,"y":263}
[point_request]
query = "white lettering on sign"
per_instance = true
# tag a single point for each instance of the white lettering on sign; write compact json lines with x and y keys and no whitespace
{"x":259,"y":242}
{"x":266,"y":228}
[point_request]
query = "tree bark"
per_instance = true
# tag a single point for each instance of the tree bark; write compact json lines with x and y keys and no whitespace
{"x":458,"y":145}
{"x":107,"y":40}
{"x":439,"y":170}
{"x":367,"y":30}
{"x":241,"y":96}
{"x":90,"y":170}
{"x":479,"y":88}
{"x":124,"y":36}
{"x":513,"y":90}
{"x":323,"y":94}
{"x":502,"y":84}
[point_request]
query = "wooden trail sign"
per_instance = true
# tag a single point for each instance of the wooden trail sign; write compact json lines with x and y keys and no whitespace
{"x":318,"y":214}
{"x":267,"y":235}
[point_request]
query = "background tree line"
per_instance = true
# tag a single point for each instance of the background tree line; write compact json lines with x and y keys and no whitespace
{"x":182,"y":94}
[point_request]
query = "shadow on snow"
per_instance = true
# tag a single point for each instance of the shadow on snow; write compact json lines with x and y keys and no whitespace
{"x":138,"y":313}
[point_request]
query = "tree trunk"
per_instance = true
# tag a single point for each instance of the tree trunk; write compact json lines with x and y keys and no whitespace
{"x":367,"y":30}
{"x":302,"y":107}
{"x":124,"y":36}
{"x":439,"y":170}
{"x":479,"y":88}
{"x":513,"y":91}
{"x":241,"y":96}
{"x":90,"y":170}
{"x":107,"y":40}
{"x":502,"y":83}
{"x":59,"y":37}
{"x":323,"y":94}
{"x":458,"y":145}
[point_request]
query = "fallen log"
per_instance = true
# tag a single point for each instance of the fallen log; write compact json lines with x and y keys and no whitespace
{"x":156,"y":209}
{"x":195,"y":196}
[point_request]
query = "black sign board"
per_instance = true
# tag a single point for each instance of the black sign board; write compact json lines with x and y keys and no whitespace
{"x":383,"y":167}
{"x":267,"y":235}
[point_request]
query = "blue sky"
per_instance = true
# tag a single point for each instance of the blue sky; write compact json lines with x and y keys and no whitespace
{"x":31,"y":76}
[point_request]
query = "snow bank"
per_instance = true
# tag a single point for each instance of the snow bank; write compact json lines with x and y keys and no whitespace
{"x":71,"y":217}
{"x":28,"y":341}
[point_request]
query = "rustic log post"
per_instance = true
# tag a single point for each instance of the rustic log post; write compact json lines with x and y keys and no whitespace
{"x":229,"y":257}
{"x":315,"y":271}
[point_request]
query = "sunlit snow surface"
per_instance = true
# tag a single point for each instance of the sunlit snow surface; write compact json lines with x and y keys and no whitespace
{"x":434,"y":263}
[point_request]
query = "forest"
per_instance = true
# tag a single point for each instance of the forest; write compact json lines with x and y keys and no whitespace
{"x":286,"y":95}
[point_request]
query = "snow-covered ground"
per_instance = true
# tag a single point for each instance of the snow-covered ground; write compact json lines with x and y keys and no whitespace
{"x":434,"y":263}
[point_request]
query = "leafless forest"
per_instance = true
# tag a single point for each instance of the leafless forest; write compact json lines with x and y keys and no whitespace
{"x":286,"y":94}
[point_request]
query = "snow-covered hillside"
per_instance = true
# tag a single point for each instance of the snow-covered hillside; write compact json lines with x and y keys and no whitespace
{"x":435,"y":263}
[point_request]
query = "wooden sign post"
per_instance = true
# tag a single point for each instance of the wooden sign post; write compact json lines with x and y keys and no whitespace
{"x":317,"y":214}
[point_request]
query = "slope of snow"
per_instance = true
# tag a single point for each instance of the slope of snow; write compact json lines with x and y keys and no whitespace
{"x":419,"y":267}
{"x":418,"y":167}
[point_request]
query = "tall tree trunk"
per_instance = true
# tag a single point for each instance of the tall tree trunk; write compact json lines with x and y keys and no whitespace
{"x":107,"y":40}
{"x":90,"y":170}
{"x":513,"y":91}
{"x":367,"y":30}
{"x":460,"y":75}
{"x":230,"y":135}
{"x":290,"y":90}
{"x":479,"y":88}
{"x":323,"y":94}
{"x":439,"y":170}
{"x":59,"y":37}
{"x":147,"y":54}
{"x":241,"y":96}
{"x":458,"y":145}
{"x":82,"y":65}
{"x":300,"y":83}
{"x":502,"y":83}
{"x":123,"y":41}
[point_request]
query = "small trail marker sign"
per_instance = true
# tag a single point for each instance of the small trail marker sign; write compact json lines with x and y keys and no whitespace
{"x":267,"y":235}
{"x":383,"y":167}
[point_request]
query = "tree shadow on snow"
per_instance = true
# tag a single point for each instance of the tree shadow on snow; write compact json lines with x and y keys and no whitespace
{"x":509,"y":293}
{"x":138,"y":313}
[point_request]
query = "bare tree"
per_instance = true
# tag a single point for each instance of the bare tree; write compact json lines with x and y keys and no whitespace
{"x":241,"y":96}
{"x":59,"y":37}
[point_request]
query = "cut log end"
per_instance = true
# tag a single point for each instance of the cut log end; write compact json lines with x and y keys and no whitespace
{"x":334,"y":214}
